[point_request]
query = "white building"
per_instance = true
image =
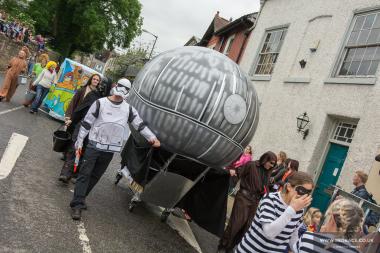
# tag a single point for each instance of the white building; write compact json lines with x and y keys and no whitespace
{"x":339,"y":86}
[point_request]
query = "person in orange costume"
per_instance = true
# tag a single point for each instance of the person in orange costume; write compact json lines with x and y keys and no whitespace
{"x":16,"y":66}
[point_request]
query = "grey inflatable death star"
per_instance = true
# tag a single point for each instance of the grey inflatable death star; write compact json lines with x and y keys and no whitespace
{"x":199,"y":104}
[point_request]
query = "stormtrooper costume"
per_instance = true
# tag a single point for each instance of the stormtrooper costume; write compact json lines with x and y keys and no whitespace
{"x":106,"y":124}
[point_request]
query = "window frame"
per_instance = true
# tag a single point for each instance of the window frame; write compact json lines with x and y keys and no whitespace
{"x":253,"y":68}
{"x":340,"y":126}
{"x":228,"y":45}
{"x":339,"y":59}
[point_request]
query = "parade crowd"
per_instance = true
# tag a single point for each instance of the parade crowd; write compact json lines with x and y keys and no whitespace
{"x":20,"y":32}
{"x":271,"y":211}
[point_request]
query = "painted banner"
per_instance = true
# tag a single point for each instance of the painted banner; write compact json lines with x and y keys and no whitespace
{"x":71,"y":77}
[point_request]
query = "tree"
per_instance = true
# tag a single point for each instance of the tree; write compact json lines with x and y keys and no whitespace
{"x":16,"y":11}
{"x":87,"y":25}
{"x":134,"y":57}
{"x":11,"y":6}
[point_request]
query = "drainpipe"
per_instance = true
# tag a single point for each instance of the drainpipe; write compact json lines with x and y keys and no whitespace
{"x":221,"y":44}
{"x":249,"y":30}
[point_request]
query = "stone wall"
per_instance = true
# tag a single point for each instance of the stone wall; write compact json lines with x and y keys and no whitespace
{"x":10,"y":48}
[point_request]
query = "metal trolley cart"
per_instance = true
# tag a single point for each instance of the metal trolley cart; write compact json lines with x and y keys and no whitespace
{"x":205,"y":110}
{"x":168,"y":182}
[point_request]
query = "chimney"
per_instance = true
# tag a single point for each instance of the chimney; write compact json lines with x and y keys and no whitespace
{"x":231,"y":19}
{"x":217,"y":14}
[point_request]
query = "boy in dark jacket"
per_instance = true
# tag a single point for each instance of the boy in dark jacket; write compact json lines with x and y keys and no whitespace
{"x":359,"y":180}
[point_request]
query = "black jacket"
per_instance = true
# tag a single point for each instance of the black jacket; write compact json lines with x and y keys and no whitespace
{"x":361,"y":192}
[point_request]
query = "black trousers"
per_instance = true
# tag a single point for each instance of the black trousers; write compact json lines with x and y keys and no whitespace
{"x":68,"y":166}
{"x":94,"y":165}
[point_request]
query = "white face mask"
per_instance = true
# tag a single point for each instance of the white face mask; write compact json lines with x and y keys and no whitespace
{"x":121,"y":91}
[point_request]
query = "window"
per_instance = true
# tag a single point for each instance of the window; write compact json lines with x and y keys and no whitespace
{"x":228,"y":45}
{"x":344,"y":132}
{"x":269,"y":52}
{"x":361,"y":53}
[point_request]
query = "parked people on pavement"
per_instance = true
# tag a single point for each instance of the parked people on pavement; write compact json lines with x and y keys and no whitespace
{"x":244,"y":158}
{"x":292,"y":167}
{"x":16,"y":66}
{"x":43,"y":59}
{"x":37,"y":68}
{"x":27,"y":51}
{"x":25,"y":37}
{"x":281,"y":163}
{"x":32,"y":60}
{"x":254,"y":180}
{"x":76,"y":111}
{"x":344,"y":219}
{"x":106,"y":124}
{"x":359,"y":180}
{"x":43,"y":84}
{"x":312,"y":219}
{"x":279,"y":170}
{"x":280,"y":179}
{"x":278,"y":217}
{"x":40,"y":42}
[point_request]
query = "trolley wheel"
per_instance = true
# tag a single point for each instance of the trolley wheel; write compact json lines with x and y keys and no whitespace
{"x":164,"y":216}
{"x":119,"y":176}
{"x":131,"y":206}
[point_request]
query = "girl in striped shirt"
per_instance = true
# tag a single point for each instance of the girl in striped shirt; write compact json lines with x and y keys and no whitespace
{"x":278,"y":217}
{"x":344,"y":220}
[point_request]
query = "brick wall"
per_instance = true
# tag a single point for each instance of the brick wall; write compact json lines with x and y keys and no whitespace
{"x":10,"y":48}
{"x":237,"y":46}
{"x":214,"y":41}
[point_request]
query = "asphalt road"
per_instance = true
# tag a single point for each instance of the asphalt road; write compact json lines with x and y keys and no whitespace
{"x":34,"y":206}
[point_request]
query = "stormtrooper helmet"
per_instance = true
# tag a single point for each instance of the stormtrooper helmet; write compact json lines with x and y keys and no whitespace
{"x":122,"y":88}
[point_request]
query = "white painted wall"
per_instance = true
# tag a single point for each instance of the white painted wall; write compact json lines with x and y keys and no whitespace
{"x":283,"y":102}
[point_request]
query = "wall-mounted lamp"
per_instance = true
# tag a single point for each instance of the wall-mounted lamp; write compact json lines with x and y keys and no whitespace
{"x":302,"y":122}
{"x":302,"y":63}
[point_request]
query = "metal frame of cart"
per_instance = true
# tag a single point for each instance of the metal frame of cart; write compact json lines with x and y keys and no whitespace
{"x":166,"y":189}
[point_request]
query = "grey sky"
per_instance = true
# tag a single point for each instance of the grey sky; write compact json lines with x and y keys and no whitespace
{"x":175,"y":21}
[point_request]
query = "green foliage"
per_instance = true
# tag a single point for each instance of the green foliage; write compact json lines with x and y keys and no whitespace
{"x":16,"y":10}
{"x":134,"y":57}
{"x":12,"y":7}
{"x":87,"y":25}
{"x":24,"y":18}
{"x":41,"y":12}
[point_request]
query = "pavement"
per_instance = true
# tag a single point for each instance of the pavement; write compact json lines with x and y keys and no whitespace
{"x":34,"y":205}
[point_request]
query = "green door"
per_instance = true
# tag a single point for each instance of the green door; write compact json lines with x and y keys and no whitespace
{"x":329,"y":175}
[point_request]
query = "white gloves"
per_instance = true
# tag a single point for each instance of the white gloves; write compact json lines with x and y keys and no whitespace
{"x":78,"y":144}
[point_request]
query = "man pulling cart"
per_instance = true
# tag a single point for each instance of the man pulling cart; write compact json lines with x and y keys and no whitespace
{"x":106,"y":123}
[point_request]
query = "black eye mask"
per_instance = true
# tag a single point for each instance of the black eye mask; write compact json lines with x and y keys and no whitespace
{"x":302,"y":190}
